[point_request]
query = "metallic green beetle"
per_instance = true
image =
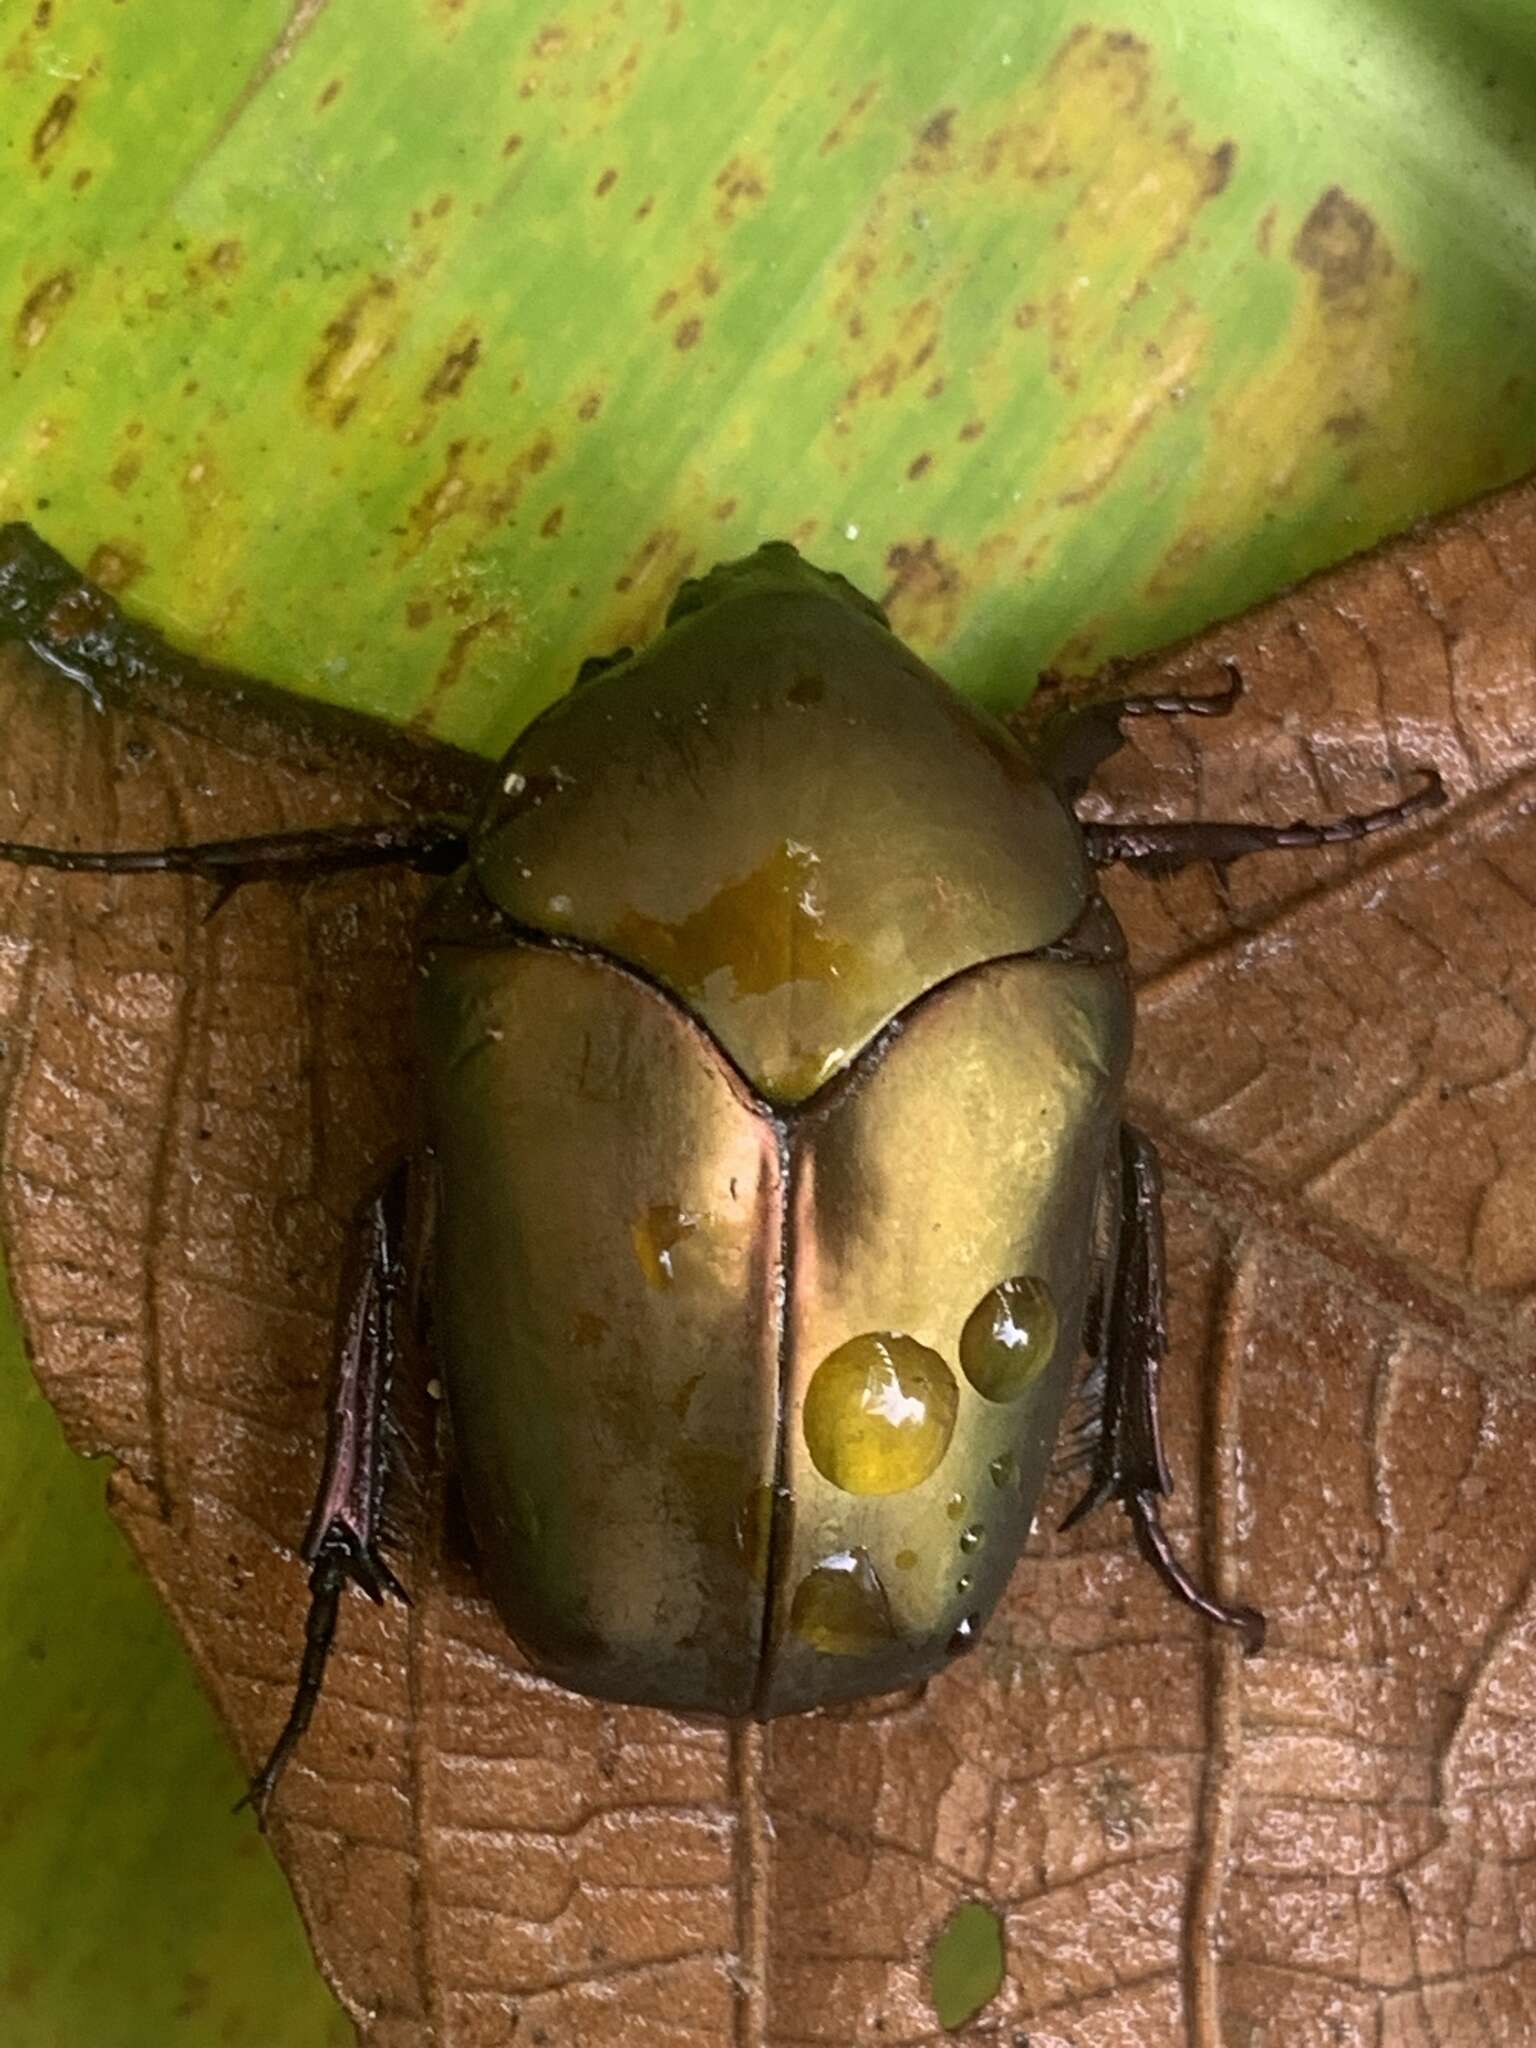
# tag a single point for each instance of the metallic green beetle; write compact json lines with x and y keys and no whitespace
{"x":774,"y":1036}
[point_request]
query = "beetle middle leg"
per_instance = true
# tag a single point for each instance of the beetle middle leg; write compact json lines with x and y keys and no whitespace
{"x":1128,"y":1462}
{"x":1157,"y":848}
{"x":344,"y":1541}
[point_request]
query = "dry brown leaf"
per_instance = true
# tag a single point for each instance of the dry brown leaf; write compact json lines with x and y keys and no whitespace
{"x":1331,"y":1847}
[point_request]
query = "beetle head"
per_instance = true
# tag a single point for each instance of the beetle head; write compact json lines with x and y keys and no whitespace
{"x":777,"y":566}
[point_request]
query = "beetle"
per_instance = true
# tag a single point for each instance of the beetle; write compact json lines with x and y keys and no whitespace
{"x":773,"y":1036}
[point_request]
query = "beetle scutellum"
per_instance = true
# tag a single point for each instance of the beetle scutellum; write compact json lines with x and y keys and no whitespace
{"x":767,"y":935}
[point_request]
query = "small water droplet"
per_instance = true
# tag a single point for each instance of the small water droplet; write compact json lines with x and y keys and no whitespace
{"x":840,"y":1606}
{"x":954,"y":1507}
{"x":1003,"y":1469}
{"x":965,"y":1634}
{"x":970,"y":1539}
{"x":513,"y":784}
{"x":656,"y":1236}
{"x":964,"y":1583}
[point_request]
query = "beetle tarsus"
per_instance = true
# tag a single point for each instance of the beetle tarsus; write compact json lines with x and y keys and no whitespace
{"x":326,"y":1582}
{"x":1180,"y":704}
{"x":1153,"y":848}
{"x":1152,"y":1541}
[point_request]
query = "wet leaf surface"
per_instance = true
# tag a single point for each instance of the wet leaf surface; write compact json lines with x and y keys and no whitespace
{"x":1328,"y":1845}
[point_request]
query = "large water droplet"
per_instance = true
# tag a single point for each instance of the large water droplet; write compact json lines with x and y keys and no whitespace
{"x":840,"y":1606}
{"x":1009,"y":1338}
{"x":879,"y":1413}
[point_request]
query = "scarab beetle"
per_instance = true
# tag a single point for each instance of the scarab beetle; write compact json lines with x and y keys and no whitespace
{"x":797,"y":960}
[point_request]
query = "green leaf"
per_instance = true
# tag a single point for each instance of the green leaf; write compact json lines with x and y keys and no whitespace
{"x":408,"y":354}
{"x":134,"y":1908}
{"x":966,"y":1967}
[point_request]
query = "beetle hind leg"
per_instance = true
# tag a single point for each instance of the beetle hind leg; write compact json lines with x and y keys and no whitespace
{"x":1128,"y":1462}
{"x":344,"y":1542}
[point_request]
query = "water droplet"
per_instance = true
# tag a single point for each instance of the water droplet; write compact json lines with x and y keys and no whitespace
{"x":656,"y":1236}
{"x":954,"y":1507}
{"x":879,"y":1413}
{"x":964,"y":1583}
{"x":905,"y":1560}
{"x":766,"y":929}
{"x":1009,"y":1338}
{"x":840,"y":1606}
{"x":1003,"y":1469}
{"x":513,"y":784}
{"x":970,"y":1539}
{"x":965,"y":1634}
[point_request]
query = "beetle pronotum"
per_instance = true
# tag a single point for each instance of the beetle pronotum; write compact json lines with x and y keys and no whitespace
{"x":773,"y":1032}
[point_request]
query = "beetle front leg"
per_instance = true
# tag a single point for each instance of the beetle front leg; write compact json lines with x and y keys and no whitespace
{"x":436,"y":845}
{"x":1129,"y":1464}
{"x":343,"y":1544}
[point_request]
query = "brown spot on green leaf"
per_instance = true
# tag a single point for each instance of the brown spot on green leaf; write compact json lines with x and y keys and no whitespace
{"x":740,"y":185}
{"x":446,"y":495}
{"x":937,"y":133}
{"x":447,"y":380}
{"x":353,"y":346}
{"x":1338,"y":242}
{"x":925,"y":592}
{"x":41,"y":308}
{"x":114,"y":565}
{"x":50,"y":130}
